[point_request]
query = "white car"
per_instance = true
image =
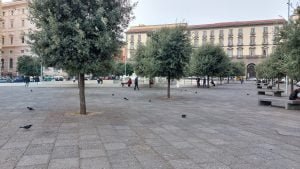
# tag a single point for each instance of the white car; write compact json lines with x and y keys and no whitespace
{"x":298,"y":84}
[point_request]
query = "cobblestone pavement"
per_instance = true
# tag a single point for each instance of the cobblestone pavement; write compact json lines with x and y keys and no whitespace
{"x":224,"y":129}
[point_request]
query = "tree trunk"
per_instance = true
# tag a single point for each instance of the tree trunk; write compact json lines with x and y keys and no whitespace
{"x":220,"y":80}
{"x":228,"y":80}
{"x":169,"y":84}
{"x":278,"y":84}
{"x":82,"y":94}
{"x":207,"y":81}
{"x":292,"y":85}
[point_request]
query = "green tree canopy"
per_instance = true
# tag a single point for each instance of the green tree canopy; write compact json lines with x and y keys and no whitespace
{"x":78,"y":35}
{"x":209,"y":60}
{"x":119,"y":69}
{"x":29,"y":66}
{"x":144,"y":62}
{"x":166,"y":54}
{"x":289,"y":42}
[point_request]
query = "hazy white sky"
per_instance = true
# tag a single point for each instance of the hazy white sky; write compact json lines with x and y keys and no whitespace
{"x":207,"y":11}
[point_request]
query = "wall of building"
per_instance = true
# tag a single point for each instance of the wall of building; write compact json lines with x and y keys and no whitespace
{"x":248,"y":41}
{"x":15,"y":27}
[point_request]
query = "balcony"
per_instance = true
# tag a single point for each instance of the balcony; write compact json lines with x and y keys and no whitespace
{"x":252,"y":57}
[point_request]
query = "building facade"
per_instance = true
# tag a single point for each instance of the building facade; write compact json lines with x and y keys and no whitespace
{"x":246,"y":41}
{"x":15,"y":27}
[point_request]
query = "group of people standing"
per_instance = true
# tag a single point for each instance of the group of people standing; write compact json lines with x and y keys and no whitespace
{"x":204,"y":82}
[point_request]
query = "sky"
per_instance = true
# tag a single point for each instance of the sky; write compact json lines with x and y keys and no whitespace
{"x":152,"y":12}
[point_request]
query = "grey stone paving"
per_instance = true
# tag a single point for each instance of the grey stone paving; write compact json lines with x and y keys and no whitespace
{"x":224,"y":129}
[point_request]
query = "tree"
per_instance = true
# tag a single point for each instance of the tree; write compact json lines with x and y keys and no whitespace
{"x":170,"y":48}
{"x":209,"y":60}
{"x":29,"y":66}
{"x":119,"y":69}
{"x":144,"y":62}
{"x":78,"y":35}
{"x":289,"y":42}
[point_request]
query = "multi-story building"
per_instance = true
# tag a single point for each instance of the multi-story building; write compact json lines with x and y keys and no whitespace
{"x":0,"y":32}
{"x":14,"y":30}
{"x":246,"y":41}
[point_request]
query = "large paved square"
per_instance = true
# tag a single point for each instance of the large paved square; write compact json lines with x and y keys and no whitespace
{"x":224,"y":129}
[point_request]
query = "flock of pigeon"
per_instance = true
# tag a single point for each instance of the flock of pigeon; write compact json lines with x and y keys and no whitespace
{"x":125,"y":98}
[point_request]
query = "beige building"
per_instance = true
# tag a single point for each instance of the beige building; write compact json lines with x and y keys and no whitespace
{"x":14,"y":30}
{"x":246,"y":41}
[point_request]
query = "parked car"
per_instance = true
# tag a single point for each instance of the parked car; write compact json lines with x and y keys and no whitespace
{"x":18,"y":80}
{"x":59,"y":78}
{"x":5,"y":80}
{"x":298,"y":84}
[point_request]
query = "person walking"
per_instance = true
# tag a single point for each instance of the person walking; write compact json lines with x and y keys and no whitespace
{"x":198,"y":82}
{"x":136,"y":83}
{"x":27,"y":80}
{"x":204,"y":82}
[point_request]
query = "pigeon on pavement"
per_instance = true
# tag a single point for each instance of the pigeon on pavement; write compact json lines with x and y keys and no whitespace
{"x":26,"y":127}
{"x":126,"y":98}
{"x":30,"y":108}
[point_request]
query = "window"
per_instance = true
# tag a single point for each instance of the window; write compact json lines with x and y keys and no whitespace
{"x":10,"y":51}
{"x":230,"y":41}
{"x":11,"y":63}
{"x":264,"y":52}
{"x":276,"y":29}
{"x":204,"y":38}
{"x":196,"y":39}
{"x":265,"y":30}
{"x":212,"y":40}
{"x":265,"y":40}
{"x":11,"y":23}
{"x":240,"y":41}
{"x":22,"y":51}
{"x":3,"y":24}
{"x":240,"y":52}
{"x":252,"y":30}
{"x":252,"y":40}
{"x":139,"y":39}
{"x":3,"y":40}
{"x":221,"y":41}
{"x":240,"y":32}
{"x":3,"y":13}
{"x":23,"y":22}
{"x":204,"y":34}
{"x":230,"y":33}
{"x":23,"y":11}
{"x":11,"y":40}
{"x":252,"y":51}
{"x":212,"y":33}
{"x":221,"y":33}
{"x":2,"y":63}
{"x":230,"y":52}
{"x":12,"y":12}
{"x":132,"y":42}
{"x":23,"y":39}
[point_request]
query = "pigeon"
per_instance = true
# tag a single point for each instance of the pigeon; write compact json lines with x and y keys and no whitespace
{"x":112,"y":94}
{"x":248,"y":94}
{"x":183,"y":116}
{"x":149,"y":100}
{"x":126,"y":98}
{"x":30,"y":90}
{"x":30,"y":108}
{"x":185,"y":90}
{"x":26,"y":127}
{"x":196,"y":92}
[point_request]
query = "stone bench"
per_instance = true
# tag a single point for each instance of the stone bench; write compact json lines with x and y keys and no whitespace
{"x":288,"y":104}
{"x":292,"y":105}
{"x":124,"y":83}
{"x":276,"y":93}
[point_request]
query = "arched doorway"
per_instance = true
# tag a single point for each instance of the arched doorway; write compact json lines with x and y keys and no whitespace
{"x":251,"y":70}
